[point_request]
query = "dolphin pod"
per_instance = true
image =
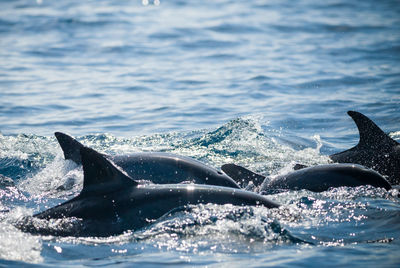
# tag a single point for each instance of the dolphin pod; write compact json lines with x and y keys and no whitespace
{"x":111,"y":202}
{"x":160,"y":168}
{"x":114,"y":200}
{"x":316,"y":179}
{"x":375,"y":150}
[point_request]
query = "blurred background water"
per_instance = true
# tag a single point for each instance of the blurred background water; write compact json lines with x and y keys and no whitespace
{"x":264,"y":84}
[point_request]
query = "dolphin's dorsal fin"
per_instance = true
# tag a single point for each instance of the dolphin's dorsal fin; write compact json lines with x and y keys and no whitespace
{"x":242,"y":175}
{"x":370,"y":134}
{"x":100,"y":176}
{"x":70,"y":147}
{"x":299,"y":166}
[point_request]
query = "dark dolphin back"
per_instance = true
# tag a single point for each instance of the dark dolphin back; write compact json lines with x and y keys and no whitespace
{"x":111,"y":202}
{"x":100,"y":178}
{"x":317,"y":178}
{"x":160,"y":168}
{"x":321,"y":178}
{"x":375,"y":149}
{"x":165,"y":168}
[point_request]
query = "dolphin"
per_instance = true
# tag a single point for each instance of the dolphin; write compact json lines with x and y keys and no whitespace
{"x":111,"y":202}
{"x":375,"y":149}
{"x":157,"y":167}
{"x":316,"y":178}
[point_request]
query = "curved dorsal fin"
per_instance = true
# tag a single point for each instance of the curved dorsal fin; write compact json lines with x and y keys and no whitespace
{"x":70,"y":147}
{"x":100,"y":176}
{"x":370,"y":134}
{"x":242,"y":175}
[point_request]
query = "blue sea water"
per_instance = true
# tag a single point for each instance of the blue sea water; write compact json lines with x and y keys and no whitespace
{"x":264,"y":84}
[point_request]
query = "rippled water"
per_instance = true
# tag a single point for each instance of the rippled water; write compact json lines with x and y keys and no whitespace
{"x":265,"y":84}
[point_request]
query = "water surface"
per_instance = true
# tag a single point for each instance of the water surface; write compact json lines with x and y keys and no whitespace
{"x":264,"y":84}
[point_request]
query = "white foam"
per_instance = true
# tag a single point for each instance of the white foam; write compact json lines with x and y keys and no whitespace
{"x":18,"y":246}
{"x":54,"y":179}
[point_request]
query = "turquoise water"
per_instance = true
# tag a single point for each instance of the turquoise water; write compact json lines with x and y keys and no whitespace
{"x":264,"y":84}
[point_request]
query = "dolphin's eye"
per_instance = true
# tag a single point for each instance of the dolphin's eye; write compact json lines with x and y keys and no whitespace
{"x":219,"y":172}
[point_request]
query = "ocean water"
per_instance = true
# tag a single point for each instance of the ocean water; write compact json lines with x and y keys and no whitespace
{"x":263,"y":84}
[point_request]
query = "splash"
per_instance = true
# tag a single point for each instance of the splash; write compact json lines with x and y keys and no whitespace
{"x":57,"y":180}
{"x":305,"y":218}
{"x":15,"y":244}
{"x":23,"y":155}
{"x":209,"y":227}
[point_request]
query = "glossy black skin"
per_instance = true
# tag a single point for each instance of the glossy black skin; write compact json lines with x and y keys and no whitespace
{"x":322,"y":177}
{"x":316,"y":178}
{"x":111,"y":202}
{"x":157,"y":167}
{"x":375,"y":149}
{"x":165,"y":168}
{"x":135,"y":207}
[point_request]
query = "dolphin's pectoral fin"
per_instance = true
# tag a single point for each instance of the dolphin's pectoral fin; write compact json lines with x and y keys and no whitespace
{"x":370,"y":134}
{"x":299,"y":166}
{"x":70,"y":147}
{"x":242,"y":175}
{"x":100,"y":176}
